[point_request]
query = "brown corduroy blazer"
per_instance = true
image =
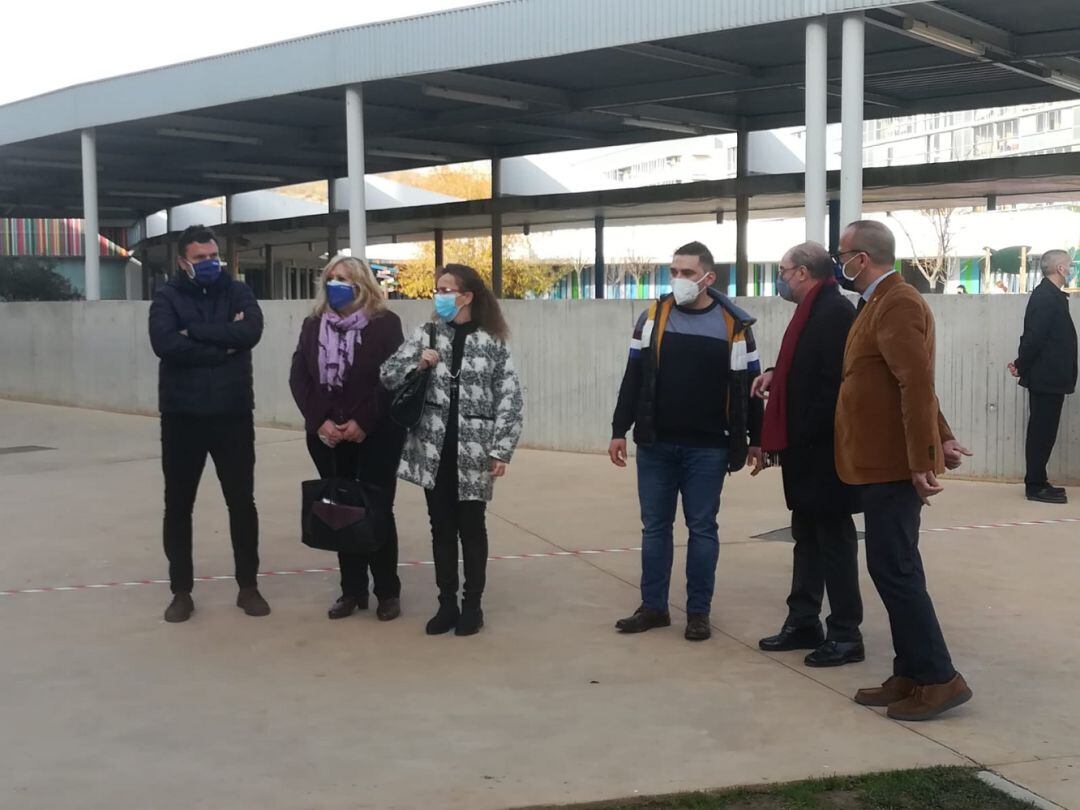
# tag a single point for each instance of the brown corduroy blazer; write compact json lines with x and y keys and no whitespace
{"x":888,"y":420}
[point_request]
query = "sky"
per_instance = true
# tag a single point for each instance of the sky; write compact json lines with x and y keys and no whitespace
{"x":85,"y":41}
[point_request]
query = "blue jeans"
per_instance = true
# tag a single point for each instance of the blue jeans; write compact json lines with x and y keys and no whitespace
{"x":666,"y":471}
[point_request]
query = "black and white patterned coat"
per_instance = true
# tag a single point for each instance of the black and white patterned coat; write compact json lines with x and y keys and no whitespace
{"x":490,"y":409}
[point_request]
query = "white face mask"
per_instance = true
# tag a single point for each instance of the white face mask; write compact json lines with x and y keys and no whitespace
{"x":685,"y":290}
{"x":843,"y":269}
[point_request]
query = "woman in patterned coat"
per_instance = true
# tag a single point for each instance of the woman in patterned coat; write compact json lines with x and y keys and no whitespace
{"x":466,"y":437}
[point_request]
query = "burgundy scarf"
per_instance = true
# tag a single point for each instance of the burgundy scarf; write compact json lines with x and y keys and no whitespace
{"x":774,"y":436}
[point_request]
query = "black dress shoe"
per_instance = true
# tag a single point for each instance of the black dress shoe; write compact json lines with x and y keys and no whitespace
{"x":643,"y":619}
{"x":345,"y":605}
{"x":794,"y":638}
{"x":836,"y":654}
{"x":697,"y":627}
{"x":388,"y":609}
{"x":1048,"y":494}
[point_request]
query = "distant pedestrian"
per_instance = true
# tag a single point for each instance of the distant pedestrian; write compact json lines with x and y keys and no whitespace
{"x":466,"y":437}
{"x":892,"y":439}
{"x":1046,"y":365}
{"x":686,"y":393}
{"x":961,"y":290}
{"x":798,"y":432}
{"x":335,"y":382}
{"x":203,"y":326}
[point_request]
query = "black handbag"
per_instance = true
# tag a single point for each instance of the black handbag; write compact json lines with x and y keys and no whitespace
{"x":342,"y":514}
{"x":407,"y":406}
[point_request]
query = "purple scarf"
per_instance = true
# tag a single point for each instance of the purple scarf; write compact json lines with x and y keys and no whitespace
{"x":338,"y":338}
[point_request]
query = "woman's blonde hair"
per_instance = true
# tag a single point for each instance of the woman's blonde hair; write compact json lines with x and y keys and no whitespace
{"x":369,"y":294}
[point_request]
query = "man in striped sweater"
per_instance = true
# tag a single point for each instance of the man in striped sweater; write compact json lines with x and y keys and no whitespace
{"x":686,"y":393}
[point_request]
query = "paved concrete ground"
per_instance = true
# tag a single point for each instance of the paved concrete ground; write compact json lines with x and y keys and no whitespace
{"x":105,"y":706}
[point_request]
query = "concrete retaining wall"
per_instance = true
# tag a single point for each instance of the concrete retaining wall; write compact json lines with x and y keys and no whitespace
{"x":571,"y":356}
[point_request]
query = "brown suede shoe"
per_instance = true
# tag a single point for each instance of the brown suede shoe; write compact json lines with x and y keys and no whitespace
{"x":930,"y":700}
{"x":894,"y":689}
{"x":180,"y":608}
{"x":252,"y":602}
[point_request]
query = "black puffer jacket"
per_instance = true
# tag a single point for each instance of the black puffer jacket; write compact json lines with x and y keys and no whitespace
{"x":208,"y":370}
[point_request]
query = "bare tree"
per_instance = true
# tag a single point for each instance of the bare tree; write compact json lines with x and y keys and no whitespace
{"x":934,"y":267}
{"x":571,"y":265}
{"x":635,"y":264}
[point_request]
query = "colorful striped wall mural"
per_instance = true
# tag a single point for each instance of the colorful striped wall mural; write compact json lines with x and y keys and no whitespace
{"x":59,"y":238}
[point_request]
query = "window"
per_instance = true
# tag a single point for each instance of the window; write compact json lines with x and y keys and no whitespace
{"x":996,"y":138}
{"x":646,"y":168}
{"x":1048,"y":121}
{"x":962,"y":144}
{"x":939,"y":147}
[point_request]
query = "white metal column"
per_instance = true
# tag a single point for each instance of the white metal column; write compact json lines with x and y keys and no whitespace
{"x":851,"y":117}
{"x":496,"y":228}
{"x":354,"y":137}
{"x":817,"y":55}
{"x":91,"y":243}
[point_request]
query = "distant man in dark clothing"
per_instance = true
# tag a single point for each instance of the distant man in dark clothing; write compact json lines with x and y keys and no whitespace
{"x":203,"y":325}
{"x":686,"y":393}
{"x":1046,"y":365}
{"x":799,"y":432}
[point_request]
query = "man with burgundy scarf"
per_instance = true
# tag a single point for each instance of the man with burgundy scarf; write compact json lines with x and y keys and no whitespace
{"x":798,"y":433}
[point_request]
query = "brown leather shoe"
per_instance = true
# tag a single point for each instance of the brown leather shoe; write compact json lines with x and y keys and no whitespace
{"x":252,"y":602}
{"x":180,"y":608}
{"x":930,"y":700}
{"x":894,"y":689}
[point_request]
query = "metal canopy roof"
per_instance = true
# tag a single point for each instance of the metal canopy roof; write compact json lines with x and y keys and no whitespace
{"x":513,"y":78}
{"x":1042,"y":178}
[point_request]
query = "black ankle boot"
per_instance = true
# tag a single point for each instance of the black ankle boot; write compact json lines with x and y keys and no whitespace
{"x":472,"y":618}
{"x":446,"y":619}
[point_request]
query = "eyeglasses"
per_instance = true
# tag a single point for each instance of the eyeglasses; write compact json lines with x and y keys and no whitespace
{"x":839,"y":254}
{"x":785,"y":270}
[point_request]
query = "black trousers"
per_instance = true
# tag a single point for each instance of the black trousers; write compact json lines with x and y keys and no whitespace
{"x":826,"y":558}
{"x":373,"y":461}
{"x":892,"y":557}
{"x":453,"y":519}
{"x":1042,"y":430}
{"x":230,"y":442}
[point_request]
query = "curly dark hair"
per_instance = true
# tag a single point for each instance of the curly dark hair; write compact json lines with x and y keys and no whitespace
{"x":485,"y":306}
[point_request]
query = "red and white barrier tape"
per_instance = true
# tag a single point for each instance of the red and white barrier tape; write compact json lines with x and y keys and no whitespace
{"x":532,"y":556}
{"x":290,"y":572}
{"x":1018,"y":524}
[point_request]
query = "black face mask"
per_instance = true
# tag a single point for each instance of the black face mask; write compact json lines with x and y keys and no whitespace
{"x":838,"y":272}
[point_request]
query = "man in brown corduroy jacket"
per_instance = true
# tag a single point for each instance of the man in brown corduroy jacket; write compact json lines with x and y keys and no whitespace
{"x":892,"y":441}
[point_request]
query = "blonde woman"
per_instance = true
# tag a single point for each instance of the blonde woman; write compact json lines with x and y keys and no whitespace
{"x":335,"y":382}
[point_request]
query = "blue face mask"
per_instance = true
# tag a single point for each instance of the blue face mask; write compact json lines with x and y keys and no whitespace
{"x":206,"y":272}
{"x":339,"y":294}
{"x":446,"y":306}
{"x":783,"y":289}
